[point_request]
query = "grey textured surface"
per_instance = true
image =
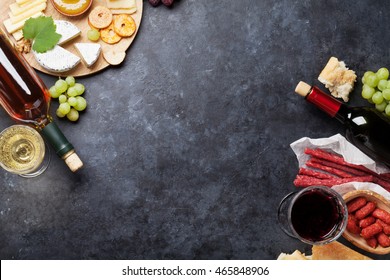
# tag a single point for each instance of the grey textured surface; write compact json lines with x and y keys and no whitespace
{"x":186,"y":144}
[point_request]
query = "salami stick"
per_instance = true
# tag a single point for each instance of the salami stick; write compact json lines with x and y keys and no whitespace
{"x":319,"y":153}
{"x":328,"y":169}
{"x":350,"y":170}
{"x":307,"y":181}
{"x":313,"y":173}
{"x":380,"y":179}
{"x":383,"y":183}
{"x":385,"y":175}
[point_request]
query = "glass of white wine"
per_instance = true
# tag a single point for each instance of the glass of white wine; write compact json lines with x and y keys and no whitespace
{"x":23,"y":151}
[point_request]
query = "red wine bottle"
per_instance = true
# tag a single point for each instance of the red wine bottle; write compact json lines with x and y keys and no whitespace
{"x":26,"y":99}
{"x":367,"y":129}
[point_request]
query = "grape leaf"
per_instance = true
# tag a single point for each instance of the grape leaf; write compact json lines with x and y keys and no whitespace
{"x":42,"y":31}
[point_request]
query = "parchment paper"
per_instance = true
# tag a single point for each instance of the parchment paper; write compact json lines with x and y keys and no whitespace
{"x":338,"y":144}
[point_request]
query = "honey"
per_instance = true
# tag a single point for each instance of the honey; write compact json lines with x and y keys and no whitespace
{"x":72,"y":7}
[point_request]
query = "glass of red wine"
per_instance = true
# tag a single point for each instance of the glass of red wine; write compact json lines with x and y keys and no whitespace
{"x":314,"y":215}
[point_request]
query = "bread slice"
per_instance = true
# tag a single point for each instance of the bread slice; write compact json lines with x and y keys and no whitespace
{"x":338,"y":78}
{"x":336,"y":251}
{"x":331,"y":251}
{"x":296,"y":255}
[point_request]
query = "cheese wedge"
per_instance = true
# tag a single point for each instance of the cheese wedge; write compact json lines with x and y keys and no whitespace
{"x":67,"y":30}
{"x":27,"y":14}
{"x":57,"y":60}
{"x":89,"y":52}
{"x":11,"y":28}
{"x":18,"y":9}
{"x":121,"y":4}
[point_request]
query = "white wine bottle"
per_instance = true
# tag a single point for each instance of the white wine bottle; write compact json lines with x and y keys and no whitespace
{"x":26,"y":99}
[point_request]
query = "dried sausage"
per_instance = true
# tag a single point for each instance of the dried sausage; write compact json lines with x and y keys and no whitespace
{"x":385,"y":227}
{"x":356,"y":204}
{"x":372,"y":242}
{"x":367,"y":221}
{"x":382,"y":215}
{"x":371,"y":230}
{"x":383,"y":240}
{"x":306,"y":181}
{"x":365,"y":210}
{"x":352,"y":225}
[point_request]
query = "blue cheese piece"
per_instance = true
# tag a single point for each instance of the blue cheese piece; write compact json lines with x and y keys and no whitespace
{"x":57,"y":60}
{"x":67,"y":30}
{"x":89,"y":52}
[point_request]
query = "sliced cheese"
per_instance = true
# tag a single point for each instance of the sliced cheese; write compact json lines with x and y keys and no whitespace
{"x":89,"y":52}
{"x":21,"y":2}
{"x":17,"y":9}
{"x":27,"y":14}
{"x":11,"y":28}
{"x":121,"y":4}
{"x":18,"y":35}
{"x":123,"y":11}
{"x":67,"y":30}
{"x":57,"y":60}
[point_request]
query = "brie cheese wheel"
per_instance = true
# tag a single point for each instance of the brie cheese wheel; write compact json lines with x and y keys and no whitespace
{"x":67,"y":30}
{"x":57,"y":60}
{"x":89,"y":52}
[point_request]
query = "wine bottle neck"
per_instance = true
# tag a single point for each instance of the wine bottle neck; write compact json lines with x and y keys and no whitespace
{"x":326,"y":103}
{"x":56,"y":138}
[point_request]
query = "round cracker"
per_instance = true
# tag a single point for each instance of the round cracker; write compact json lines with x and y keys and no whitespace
{"x":109,"y":35}
{"x":100,"y":17}
{"x":124,"y":25}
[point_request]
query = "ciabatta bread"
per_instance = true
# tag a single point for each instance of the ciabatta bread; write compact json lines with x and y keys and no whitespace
{"x":338,"y":78}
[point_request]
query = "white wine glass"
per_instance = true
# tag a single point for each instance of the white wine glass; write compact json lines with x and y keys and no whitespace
{"x":23,"y":151}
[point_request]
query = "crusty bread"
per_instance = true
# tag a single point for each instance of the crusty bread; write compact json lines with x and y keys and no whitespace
{"x":296,"y":255}
{"x":338,"y":78}
{"x":332,"y":251}
{"x":336,"y":251}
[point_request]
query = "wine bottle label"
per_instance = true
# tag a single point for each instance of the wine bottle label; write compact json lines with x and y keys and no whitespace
{"x":359,"y":120}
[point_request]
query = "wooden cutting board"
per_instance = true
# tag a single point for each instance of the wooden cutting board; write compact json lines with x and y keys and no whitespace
{"x":82,"y":23}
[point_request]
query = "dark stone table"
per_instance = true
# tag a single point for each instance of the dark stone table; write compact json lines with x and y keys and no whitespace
{"x":186,"y":144}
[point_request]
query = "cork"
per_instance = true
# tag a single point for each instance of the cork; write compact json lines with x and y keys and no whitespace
{"x":73,"y":161}
{"x":303,"y":89}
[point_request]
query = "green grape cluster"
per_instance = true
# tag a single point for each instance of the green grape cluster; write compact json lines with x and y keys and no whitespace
{"x":69,"y":97}
{"x":376,"y":89}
